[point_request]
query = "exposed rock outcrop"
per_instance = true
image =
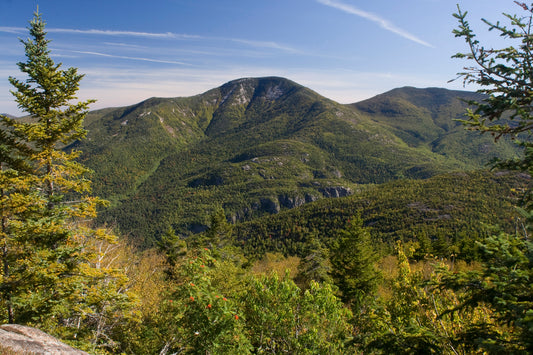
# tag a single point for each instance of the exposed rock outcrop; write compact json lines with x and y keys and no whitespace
{"x":295,"y":201}
{"x":291,"y":201}
{"x":18,"y":339}
{"x":336,"y":191}
{"x":270,"y":205}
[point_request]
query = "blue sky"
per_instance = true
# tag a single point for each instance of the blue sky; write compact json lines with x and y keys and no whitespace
{"x":346,"y":50}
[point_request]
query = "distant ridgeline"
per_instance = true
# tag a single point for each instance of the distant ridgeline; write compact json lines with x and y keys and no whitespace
{"x":257,"y":147}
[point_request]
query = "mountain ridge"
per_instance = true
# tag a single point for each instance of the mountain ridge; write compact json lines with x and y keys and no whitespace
{"x":255,"y":146}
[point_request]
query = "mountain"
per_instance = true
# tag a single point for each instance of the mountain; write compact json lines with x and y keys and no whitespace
{"x":428,"y":118}
{"x":256,"y":146}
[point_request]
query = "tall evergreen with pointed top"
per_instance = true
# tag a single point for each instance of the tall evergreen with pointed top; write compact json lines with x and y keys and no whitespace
{"x":174,"y":248}
{"x":220,"y":230}
{"x":353,"y":264}
{"x":47,"y":238}
{"x":46,"y":96}
{"x":315,"y":265}
{"x":39,"y":248}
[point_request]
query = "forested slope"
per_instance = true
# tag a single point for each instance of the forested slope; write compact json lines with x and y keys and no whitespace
{"x":258,"y":146}
{"x":442,"y":215}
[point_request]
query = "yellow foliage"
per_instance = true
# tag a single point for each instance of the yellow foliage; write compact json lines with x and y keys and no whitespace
{"x":276,"y":262}
{"x":146,"y":278}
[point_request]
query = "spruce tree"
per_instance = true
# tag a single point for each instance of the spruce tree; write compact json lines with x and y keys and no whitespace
{"x":174,"y":249}
{"x":52,"y":272}
{"x":44,"y":258}
{"x":13,"y":195}
{"x":353,"y":264}
{"x":503,"y":284}
{"x":504,"y":75}
{"x":315,"y":265}
{"x":220,"y":230}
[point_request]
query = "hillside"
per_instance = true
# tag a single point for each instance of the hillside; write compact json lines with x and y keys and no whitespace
{"x":428,"y":118}
{"x":257,"y":146}
{"x":442,"y":215}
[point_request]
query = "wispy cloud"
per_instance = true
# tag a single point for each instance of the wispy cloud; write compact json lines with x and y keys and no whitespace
{"x":12,"y":29}
{"x":124,"y":45}
{"x":263,"y":44}
{"x":132,"y":58}
{"x":171,"y":35}
{"x":158,"y":35}
{"x":164,"y":35}
{"x":387,"y":25}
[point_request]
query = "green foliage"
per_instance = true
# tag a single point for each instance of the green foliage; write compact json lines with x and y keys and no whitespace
{"x":505,"y":77}
{"x":503,"y":285}
{"x":211,"y":322}
{"x":263,"y":148}
{"x":199,"y":313}
{"x":452,"y":208}
{"x":315,"y":265}
{"x":52,"y":272}
{"x":215,"y":307}
{"x":409,"y":317}
{"x":406,"y":323}
{"x":353,"y":264}
{"x":504,"y":282}
{"x":220,"y":231}
{"x":259,"y":146}
{"x":283,"y":319}
{"x":174,"y":249}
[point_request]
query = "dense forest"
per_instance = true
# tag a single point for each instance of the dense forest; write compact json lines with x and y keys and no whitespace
{"x":275,"y":226}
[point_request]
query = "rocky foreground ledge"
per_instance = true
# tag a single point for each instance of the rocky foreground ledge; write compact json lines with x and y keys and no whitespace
{"x":21,"y":340}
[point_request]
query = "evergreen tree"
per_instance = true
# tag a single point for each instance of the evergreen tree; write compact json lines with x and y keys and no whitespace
{"x":14,"y":193}
{"x":504,"y":282}
{"x":505,"y":76}
{"x":504,"y":286}
{"x":401,"y":327}
{"x":315,"y":265}
{"x":52,"y":277}
{"x":220,"y":230}
{"x":353,"y":264}
{"x":423,"y":249}
{"x":174,"y":249}
{"x":49,"y":256}
{"x":409,"y":319}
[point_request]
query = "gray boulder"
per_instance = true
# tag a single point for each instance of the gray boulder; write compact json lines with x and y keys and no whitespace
{"x":18,"y":339}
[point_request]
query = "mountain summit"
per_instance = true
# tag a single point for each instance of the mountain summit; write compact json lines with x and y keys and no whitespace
{"x":258,"y":145}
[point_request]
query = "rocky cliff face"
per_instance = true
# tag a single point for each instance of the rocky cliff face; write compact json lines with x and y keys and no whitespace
{"x":336,"y":191}
{"x":18,"y":339}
